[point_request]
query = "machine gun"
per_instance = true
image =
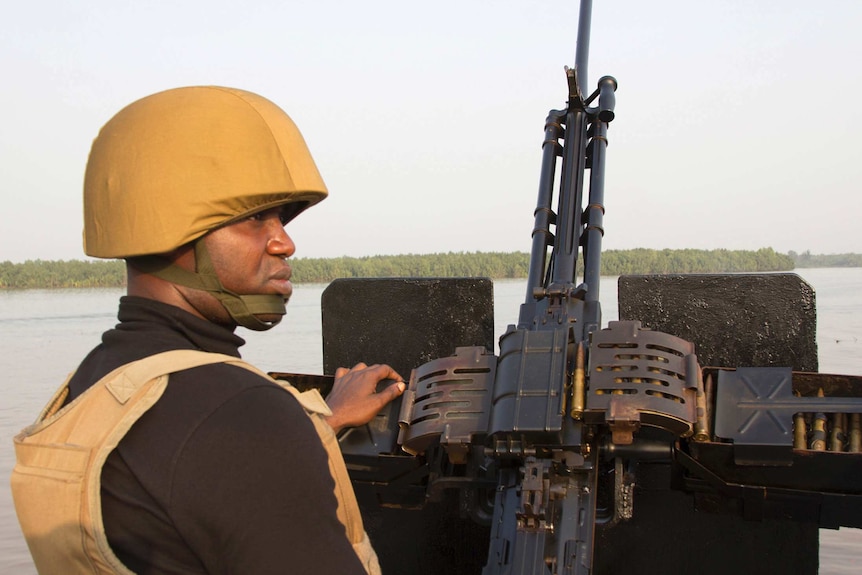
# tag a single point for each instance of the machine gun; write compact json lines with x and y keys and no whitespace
{"x":520,"y":463}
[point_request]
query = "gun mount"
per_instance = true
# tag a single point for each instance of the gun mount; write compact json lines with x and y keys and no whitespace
{"x":647,"y":446}
{"x":722,"y":469}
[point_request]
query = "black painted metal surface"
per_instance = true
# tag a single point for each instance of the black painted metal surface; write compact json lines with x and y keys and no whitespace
{"x":752,"y":320}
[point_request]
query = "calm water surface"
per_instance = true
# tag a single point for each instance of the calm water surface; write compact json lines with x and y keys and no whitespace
{"x":47,"y":332}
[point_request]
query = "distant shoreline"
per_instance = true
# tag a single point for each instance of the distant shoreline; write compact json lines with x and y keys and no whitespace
{"x":53,"y":274}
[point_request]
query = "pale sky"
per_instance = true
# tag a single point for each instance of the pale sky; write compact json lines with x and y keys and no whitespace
{"x":736,"y":121}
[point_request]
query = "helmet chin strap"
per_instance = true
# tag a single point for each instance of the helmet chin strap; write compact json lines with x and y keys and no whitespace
{"x":243,"y":309}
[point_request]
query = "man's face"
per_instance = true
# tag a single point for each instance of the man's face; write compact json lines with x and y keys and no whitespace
{"x":250,"y":258}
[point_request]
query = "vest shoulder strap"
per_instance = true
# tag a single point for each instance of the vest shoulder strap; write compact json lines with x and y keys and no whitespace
{"x":125,"y":380}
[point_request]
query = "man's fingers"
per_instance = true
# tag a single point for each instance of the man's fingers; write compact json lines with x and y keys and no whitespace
{"x":388,"y":394}
{"x":396,"y":389}
{"x":378,"y":372}
{"x":388,"y":373}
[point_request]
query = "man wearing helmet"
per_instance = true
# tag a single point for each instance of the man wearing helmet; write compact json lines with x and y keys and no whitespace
{"x":224,"y":470}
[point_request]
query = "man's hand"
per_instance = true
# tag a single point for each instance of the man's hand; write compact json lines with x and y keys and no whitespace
{"x":354,"y":400}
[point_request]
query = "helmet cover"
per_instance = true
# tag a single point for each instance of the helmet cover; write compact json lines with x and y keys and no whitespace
{"x":175,"y":165}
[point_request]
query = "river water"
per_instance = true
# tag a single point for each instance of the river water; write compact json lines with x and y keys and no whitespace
{"x":45,"y":333}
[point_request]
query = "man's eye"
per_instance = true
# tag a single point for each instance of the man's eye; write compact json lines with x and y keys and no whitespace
{"x":289,"y":211}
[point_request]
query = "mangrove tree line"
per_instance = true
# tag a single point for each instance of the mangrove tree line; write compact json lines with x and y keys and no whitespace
{"x":496,"y":265}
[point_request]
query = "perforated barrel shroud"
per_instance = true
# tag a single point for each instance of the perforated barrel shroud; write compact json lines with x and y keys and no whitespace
{"x":639,"y":376}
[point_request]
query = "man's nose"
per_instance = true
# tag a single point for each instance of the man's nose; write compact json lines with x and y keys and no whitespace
{"x":280,"y":242}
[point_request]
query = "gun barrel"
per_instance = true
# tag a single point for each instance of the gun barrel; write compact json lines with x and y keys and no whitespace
{"x":543,"y":215}
{"x":582,"y":55}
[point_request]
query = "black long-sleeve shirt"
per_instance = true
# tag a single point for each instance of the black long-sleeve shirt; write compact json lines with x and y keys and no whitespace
{"x":224,"y":474}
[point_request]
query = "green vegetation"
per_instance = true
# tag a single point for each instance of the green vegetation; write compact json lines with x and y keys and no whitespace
{"x":689,"y":261}
{"x":476,"y":264}
{"x":62,"y":274}
{"x":809,"y":260}
{"x":74,"y":273}
{"x":515,"y":265}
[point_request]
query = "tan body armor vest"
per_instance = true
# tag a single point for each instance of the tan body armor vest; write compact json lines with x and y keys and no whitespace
{"x":56,"y":481}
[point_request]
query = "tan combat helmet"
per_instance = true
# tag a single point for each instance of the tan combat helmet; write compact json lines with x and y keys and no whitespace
{"x":173,"y":166}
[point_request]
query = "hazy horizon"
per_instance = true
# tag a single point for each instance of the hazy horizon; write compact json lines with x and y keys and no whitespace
{"x":527,"y":251}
